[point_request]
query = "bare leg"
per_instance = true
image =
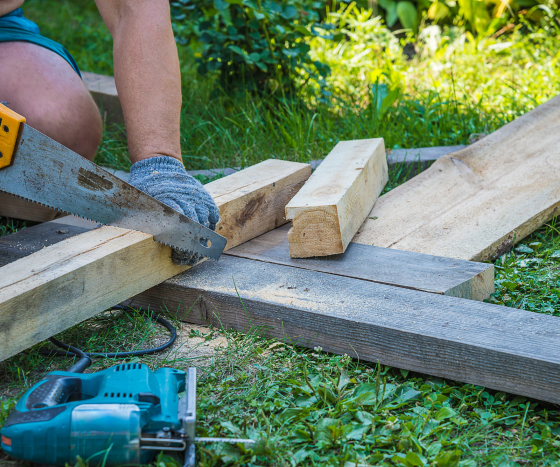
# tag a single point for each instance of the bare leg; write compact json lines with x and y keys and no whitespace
{"x":43,"y":87}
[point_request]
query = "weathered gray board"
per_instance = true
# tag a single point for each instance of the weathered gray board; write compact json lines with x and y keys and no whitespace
{"x":104,"y":93}
{"x":474,"y":342}
{"x":444,"y":276}
{"x":497,"y":347}
{"x":435,"y":274}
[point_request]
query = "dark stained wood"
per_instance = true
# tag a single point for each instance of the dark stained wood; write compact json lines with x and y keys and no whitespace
{"x":456,"y":278}
{"x":474,"y":342}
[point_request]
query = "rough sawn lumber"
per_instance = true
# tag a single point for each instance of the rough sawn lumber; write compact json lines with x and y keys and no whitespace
{"x":456,"y":278}
{"x":475,"y":203}
{"x":333,"y":203}
{"x":19,"y":208}
{"x":446,"y":276}
{"x":60,"y":286}
{"x":494,"y":346}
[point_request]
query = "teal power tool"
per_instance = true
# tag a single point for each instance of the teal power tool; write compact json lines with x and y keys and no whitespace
{"x":125,"y":414}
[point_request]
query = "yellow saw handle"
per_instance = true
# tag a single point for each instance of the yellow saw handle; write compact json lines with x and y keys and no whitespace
{"x":10,"y":123}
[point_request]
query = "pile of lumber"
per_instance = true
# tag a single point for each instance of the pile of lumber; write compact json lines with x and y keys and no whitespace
{"x":388,"y":278}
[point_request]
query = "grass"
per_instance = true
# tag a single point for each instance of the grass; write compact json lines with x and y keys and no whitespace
{"x":308,"y":407}
{"x":441,"y":101}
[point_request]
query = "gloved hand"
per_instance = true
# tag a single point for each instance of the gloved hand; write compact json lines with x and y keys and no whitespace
{"x":165,"y":179}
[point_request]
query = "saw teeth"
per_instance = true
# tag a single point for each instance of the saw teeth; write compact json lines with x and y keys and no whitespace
{"x":192,"y":254}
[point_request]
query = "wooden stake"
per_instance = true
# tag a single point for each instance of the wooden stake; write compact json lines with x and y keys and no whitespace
{"x":328,"y":210}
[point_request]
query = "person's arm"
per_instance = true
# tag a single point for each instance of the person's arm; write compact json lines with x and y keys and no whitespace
{"x":147,"y":75}
{"x":148,"y":81}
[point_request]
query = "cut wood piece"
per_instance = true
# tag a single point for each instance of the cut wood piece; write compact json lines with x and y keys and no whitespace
{"x":60,"y":286}
{"x":474,"y":342}
{"x":19,"y":208}
{"x":474,"y":204}
{"x":336,"y":199}
{"x":104,"y":93}
{"x":456,"y":278}
{"x":252,"y":201}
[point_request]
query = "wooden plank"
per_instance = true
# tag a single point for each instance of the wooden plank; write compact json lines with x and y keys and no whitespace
{"x":33,"y":239}
{"x":328,"y":210}
{"x":60,"y":286}
{"x":17,"y":208}
{"x":252,"y":201}
{"x":445,"y":276}
{"x":463,"y":279}
{"x":474,"y":204}
{"x":474,"y":342}
{"x":104,"y":92}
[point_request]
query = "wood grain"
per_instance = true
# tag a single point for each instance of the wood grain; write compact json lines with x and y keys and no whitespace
{"x":475,"y":203}
{"x":17,"y":208}
{"x":61,"y":285}
{"x":333,"y":203}
{"x":474,"y":342}
{"x":456,"y":278}
{"x":252,"y":201}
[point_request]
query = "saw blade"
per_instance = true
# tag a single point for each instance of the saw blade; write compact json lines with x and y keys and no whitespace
{"x":46,"y":172}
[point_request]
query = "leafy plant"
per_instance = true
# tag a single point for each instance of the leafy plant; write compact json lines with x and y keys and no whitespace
{"x":482,"y":17}
{"x":256,"y":45}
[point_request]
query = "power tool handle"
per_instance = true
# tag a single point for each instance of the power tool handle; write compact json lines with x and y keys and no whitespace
{"x":55,"y":391}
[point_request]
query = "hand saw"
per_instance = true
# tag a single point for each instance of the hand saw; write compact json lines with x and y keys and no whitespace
{"x":37,"y":168}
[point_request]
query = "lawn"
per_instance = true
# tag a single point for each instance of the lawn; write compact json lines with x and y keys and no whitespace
{"x":311,"y":408}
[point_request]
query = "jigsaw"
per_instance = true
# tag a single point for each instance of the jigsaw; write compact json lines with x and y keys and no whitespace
{"x":125,"y":414}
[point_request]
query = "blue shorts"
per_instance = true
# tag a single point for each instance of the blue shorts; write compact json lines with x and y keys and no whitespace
{"x":14,"y":27}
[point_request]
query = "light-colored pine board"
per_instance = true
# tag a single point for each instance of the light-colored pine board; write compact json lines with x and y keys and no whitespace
{"x":336,"y":199}
{"x":252,"y":201}
{"x":61,"y":285}
{"x":474,"y":342}
{"x":445,"y":276}
{"x":17,"y":208}
{"x":475,"y":203}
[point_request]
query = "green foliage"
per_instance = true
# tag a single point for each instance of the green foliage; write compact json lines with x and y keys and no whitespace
{"x":256,"y":45}
{"x":311,"y":408}
{"x":483,"y":17}
{"x":78,"y":26}
{"x":10,"y":226}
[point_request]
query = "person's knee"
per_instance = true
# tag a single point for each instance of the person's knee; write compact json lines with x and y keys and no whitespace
{"x":72,"y":119}
{"x":41,"y":86}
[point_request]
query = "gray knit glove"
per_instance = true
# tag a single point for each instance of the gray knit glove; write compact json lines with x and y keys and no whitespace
{"x":165,"y":179}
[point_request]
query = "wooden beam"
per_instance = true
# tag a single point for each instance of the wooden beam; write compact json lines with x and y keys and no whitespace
{"x":493,"y":346}
{"x":60,"y":286}
{"x":18,"y":208}
{"x":474,"y":204}
{"x":328,"y":210}
{"x":104,"y":93}
{"x":252,"y":201}
{"x":445,"y":276}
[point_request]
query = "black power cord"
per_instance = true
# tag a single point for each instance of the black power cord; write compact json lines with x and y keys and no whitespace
{"x":85,"y":357}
